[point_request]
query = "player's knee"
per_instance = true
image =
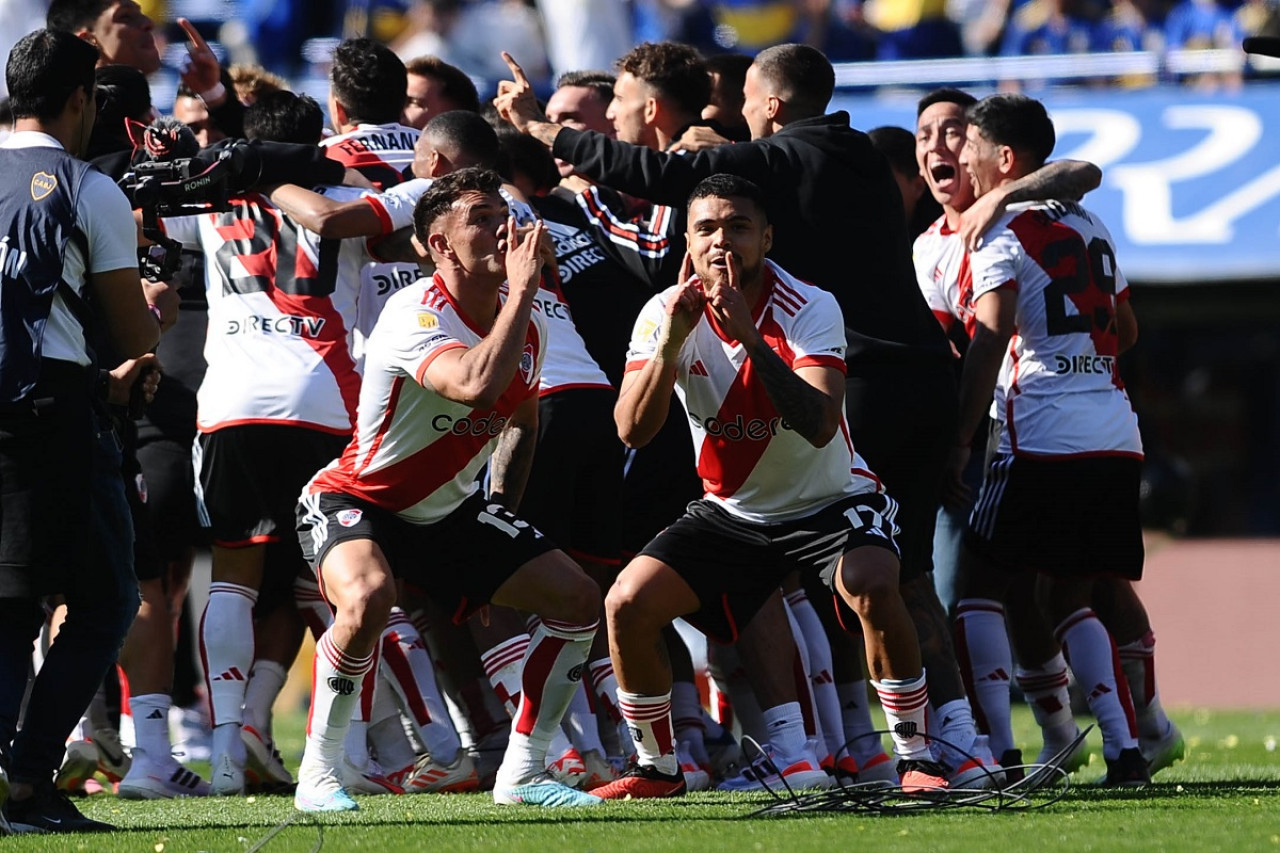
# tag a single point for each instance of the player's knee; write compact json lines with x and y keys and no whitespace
{"x":630,"y":605}
{"x":580,"y":597}
{"x":365,"y":607}
{"x":866,"y":586}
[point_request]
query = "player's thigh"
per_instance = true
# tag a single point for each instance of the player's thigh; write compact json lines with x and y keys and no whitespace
{"x":649,"y":592}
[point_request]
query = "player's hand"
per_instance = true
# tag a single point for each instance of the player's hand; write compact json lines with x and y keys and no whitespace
{"x":164,"y":298}
{"x":547,"y":250}
{"x":524,"y":258}
{"x":127,"y":373}
{"x":980,"y":216}
{"x":516,"y":102}
{"x":728,"y":303}
{"x":955,"y":494}
{"x":685,"y":307}
{"x":203,"y":72}
{"x":699,"y":138}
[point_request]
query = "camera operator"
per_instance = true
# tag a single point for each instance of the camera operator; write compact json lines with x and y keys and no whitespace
{"x":51,"y":465}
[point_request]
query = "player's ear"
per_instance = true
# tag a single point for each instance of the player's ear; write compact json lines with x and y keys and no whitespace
{"x":767,"y":242}
{"x":438,"y":244}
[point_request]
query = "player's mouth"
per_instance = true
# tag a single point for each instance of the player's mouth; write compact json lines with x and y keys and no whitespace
{"x":942,"y":173}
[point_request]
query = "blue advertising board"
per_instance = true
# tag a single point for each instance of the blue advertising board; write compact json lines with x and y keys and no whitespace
{"x":1191,"y":181}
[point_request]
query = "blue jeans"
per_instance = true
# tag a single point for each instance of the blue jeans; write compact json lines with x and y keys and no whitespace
{"x":101,"y":604}
{"x":948,"y":536}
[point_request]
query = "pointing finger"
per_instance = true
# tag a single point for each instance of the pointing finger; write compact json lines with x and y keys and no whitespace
{"x":193,"y":35}
{"x":516,"y":71}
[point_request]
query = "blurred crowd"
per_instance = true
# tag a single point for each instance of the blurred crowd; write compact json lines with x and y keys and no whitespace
{"x":549,"y":37}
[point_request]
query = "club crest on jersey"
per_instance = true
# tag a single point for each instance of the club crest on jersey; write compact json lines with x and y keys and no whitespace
{"x":427,"y":321}
{"x":42,"y":183}
{"x":350,"y":517}
{"x":526,"y":363}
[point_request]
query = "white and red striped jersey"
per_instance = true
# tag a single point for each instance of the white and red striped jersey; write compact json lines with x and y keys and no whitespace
{"x":414,"y":452}
{"x":380,"y":152}
{"x":280,"y":314}
{"x":943,"y":274}
{"x":1059,"y":391}
{"x":750,"y":461}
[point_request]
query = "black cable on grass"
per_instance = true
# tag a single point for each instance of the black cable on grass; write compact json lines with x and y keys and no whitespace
{"x":1041,"y":785}
{"x":280,"y":827}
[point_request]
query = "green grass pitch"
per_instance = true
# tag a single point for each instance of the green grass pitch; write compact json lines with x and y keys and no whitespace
{"x":1224,"y":796}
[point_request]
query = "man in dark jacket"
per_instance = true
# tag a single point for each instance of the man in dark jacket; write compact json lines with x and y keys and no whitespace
{"x":840,"y":225}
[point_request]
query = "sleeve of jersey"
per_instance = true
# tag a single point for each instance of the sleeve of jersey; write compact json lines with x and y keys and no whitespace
{"x":108,"y":222}
{"x":644,"y":335}
{"x":1122,"y":283}
{"x":995,"y":265}
{"x":818,"y":336}
{"x":395,"y":206}
{"x":933,"y":295}
{"x":416,"y":340}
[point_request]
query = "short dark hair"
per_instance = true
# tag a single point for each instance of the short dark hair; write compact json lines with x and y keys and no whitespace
{"x":67,"y":16}
{"x":45,"y":68}
{"x":675,"y":70}
{"x":524,"y":155}
{"x":455,"y":86}
{"x":804,"y":77}
{"x":465,"y":132}
{"x":945,"y":95}
{"x":898,"y":145}
{"x":369,"y":81}
{"x":1018,"y":121}
{"x":282,"y":116}
{"x":446,"y":190}
{"x":723,"y":185}
{"x":732,"y":70}
{"x":600,"y":82}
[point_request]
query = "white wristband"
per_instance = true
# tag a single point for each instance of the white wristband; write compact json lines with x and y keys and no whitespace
{"x":216,"y":93}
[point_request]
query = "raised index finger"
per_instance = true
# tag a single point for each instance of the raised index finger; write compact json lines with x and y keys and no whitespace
{"x":517,"y":72}
{"x":193,"y":35}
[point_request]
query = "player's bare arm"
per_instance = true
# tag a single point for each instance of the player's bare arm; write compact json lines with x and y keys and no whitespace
{"x":995,"y":313}
{"x":645,"y":397}
{"x":513,"y":457}
{"x":1066,"y":179}
{"x":324,"y":216}
{"x":478,"y":376}
{"x":517,"y":104}
{"x":132,"y":328}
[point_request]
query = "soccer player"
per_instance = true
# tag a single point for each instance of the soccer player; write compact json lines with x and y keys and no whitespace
{"x":757,"y":359}
{"x":450,"y":383}
{"x":434,"y":87}
{"x":1051,"y":314}
{"x":366,"y":100}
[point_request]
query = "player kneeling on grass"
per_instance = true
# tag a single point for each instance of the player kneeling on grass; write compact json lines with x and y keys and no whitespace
{"x":757,"y":359}
{"x":450,"y":383}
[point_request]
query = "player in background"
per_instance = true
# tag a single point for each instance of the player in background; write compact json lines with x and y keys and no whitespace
{"x":1050,"y":316}
{"x":368,"y":86}
{"x":450,"y":384}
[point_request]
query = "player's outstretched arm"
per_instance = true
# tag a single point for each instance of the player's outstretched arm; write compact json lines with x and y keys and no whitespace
{"x":327,"y":217}
{"x":1064,"y":179}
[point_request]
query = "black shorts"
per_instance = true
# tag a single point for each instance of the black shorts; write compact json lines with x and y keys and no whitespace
{"x":46,"y":476}
{"x":733,"y":566}
{"x":250,"y":477}
{"x":659,"y":481}
{"x":458,"y":562}
{"x":1068,"y":517}
{"x":575,"y":485}
{"x":170,"y":486}
{"x":903,"y":422}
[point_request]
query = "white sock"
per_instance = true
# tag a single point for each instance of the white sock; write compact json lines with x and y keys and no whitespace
{"x":226,"y":648}
{"x":785,"y":726}
{"x":551,"y":672}
{"x":335,"y":697}
{"x":986,"y":662}
{"x":1092,"y":655}
{"x":386,"y":734}
{"x":1045,"y":688}
{"x":266,"y":680}
{"x":151,"y":726}
{"x":905,"y":702}
{"x":409,"y":672}
{"x":502,"y":664}
{"x":855,"y":713}
{"x":954,"y":724}
{"x":356,"y":743}
{"x":826,"y":699}
{"x":580,"y":723}
{"x":652,"y":731}
{"x":1138,"y":660}
{"x":686,"y":717}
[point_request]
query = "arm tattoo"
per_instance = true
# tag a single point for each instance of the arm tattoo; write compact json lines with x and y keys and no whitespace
{"x":1066,"y":179}
{"x":510,"y":464}
{"x":802,"y":406}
